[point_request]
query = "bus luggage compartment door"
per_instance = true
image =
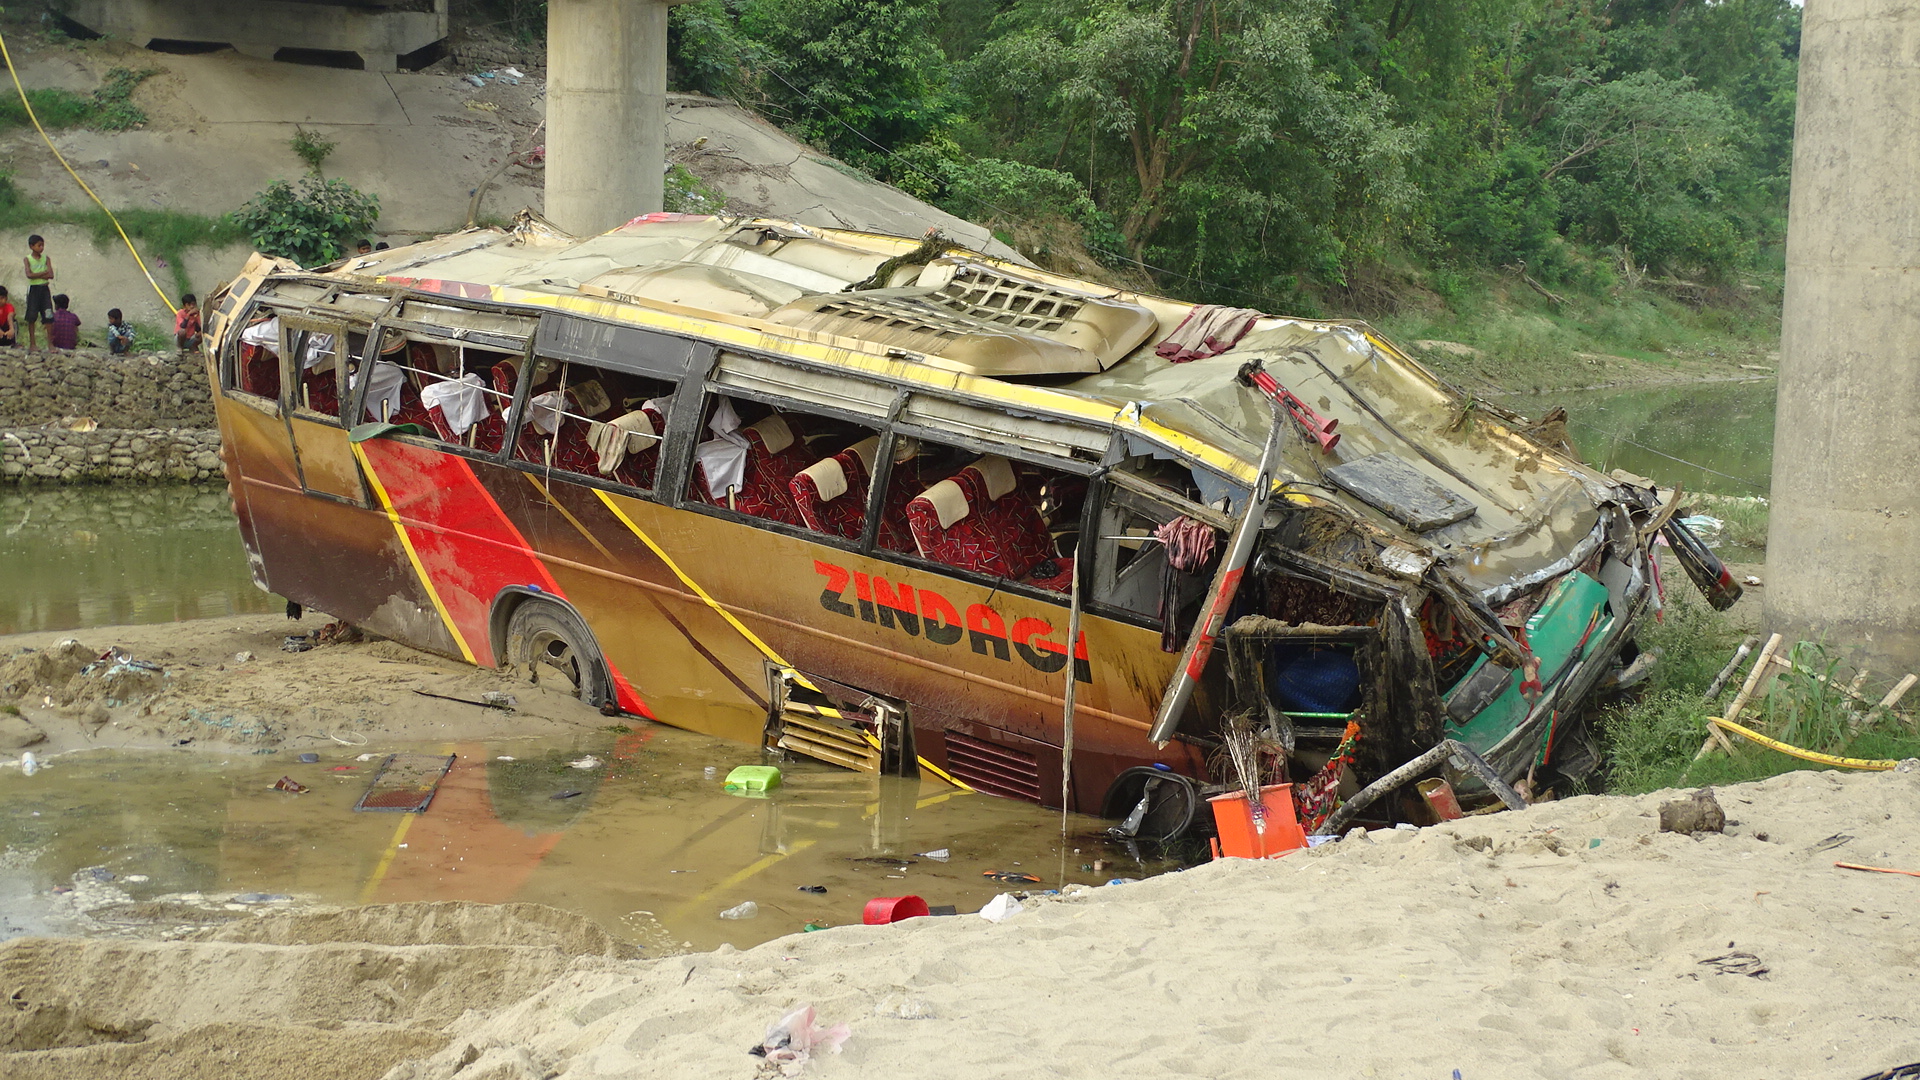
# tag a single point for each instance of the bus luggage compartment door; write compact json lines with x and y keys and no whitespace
{"x":839,"y":724}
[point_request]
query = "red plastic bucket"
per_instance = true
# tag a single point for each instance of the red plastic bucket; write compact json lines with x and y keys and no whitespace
{"x":882,"y":910}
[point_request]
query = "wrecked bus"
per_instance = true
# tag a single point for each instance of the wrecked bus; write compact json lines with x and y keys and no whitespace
{"x":898,"y":506}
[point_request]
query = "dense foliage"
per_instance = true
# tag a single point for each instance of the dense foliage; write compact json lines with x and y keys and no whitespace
{"x":311,"y":220}
{"x":1279,"y":146}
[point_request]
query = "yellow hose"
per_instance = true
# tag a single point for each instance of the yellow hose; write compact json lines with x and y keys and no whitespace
{"x":27,"y":105}
{"x":1876,"y":764}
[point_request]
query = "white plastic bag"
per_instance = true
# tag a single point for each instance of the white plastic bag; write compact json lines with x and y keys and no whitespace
{"x":1000,"y":908}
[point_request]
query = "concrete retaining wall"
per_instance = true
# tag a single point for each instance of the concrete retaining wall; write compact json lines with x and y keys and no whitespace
{"x":153,"y":411}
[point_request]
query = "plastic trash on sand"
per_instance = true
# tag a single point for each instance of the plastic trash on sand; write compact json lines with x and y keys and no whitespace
{"x":588,"y":762}
{"x":745,"y":910}
{"x":792,"y":1042}
{"x":937,"y":854}
{"x":1000,"y":908}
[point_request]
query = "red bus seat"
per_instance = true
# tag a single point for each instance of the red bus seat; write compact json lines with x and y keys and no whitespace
{"x":260,"y":371}
{"x":776,"y":452}
{"x":982,"y":519}
{"x":849,"y":473}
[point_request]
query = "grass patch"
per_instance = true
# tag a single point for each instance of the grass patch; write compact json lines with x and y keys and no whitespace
{"x":1745,"y":517}
{"x":164,"y":234}
{"x":1651,"y":743}
{"x":109,"y":108}
{"x":1604,"y":332}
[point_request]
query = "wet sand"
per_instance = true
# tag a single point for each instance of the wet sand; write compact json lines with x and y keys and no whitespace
{"x":1572,"y":939}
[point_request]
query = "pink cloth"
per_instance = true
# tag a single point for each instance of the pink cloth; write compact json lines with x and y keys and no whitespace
{"x":1208,"y":330}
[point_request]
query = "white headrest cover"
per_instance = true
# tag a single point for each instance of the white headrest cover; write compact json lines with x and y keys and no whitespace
{"x":865,"y":450}
{"x":949,"y":503}
{"x":774,"y":432}
{"x":829,"y":478}
{"x":998,"y":473}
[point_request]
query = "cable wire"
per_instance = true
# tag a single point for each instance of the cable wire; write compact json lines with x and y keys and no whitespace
{"x":61,"y":158}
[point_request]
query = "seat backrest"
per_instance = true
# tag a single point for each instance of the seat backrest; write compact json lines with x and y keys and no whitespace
{"x":831,"y":494}
{"x":981,"y":519}
{"x":776,"y":452}
{"x":639,"y":467}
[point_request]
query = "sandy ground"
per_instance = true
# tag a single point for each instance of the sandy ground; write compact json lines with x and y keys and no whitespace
{"x":1573,"y":939}
{"x":225,"y":685}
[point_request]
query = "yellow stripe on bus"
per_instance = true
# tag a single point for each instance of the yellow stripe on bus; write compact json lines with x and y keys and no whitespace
{"x":765,"y":649}
{"x":413,"y":556}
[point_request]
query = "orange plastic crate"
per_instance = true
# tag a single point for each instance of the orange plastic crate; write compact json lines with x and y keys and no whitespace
{"x":1239,"y":839}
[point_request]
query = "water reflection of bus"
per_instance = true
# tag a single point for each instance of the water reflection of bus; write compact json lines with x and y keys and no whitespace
{"x":832,"y":491}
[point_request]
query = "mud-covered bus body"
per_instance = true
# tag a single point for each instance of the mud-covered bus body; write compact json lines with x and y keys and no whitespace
{"x":832,"y":492}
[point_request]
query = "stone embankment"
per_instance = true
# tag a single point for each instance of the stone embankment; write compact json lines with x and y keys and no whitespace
{"x":86,"y":417}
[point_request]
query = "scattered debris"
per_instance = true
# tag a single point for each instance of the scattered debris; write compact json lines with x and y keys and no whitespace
{"x":568,"y":794}
{"x":792,"y":1042}
{"x":1000,"y":908}
{"x":1011,"y":877}
{"x":753,"y":779}
{"x":588,"y":762}
{"x":308,"y":759}
{"x":937,"y":854}
{"x":1737,"y":963}
{"x":405,"y":784}
{"x":1876,"y":869}
{"x":817,"y":890}
{"x":1830,"y":843}
{"x":1697,"y":813}
{"x":744,"y":910}
{"x":243,"y":656}
{"x":288,"y":783}
{"x":499,"y":699}
{"x":884,"y":910}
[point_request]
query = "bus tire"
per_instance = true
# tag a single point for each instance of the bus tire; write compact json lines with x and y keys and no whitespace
{"x":553,"y":640}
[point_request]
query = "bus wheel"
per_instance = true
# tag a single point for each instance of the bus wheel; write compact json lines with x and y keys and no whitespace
{"x":552,"y":640}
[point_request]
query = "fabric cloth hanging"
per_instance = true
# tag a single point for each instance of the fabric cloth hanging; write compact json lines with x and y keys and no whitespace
{"x":626,"y":434}
{"x":462,"y":401}
{"x":723,"y":458}
{"x":1208,"y":330}
{"x":384,"y":386}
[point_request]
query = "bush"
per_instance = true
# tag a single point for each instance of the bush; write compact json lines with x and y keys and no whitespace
{"x":310,"y":148}
{"x":311,"y":220}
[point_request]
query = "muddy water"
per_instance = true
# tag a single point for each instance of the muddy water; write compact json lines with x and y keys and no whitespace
{"x":104,"y":556}
{"x":649,"y":847}
{"x":1715,"y":437}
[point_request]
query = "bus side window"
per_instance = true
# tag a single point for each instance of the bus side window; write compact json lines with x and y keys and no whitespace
{"x":1152,"y":562}
{"x":463,"y":392}
{"x":317,"y":388}
{"x":990,"y":514}
{"x":255,"y":369}
{"x":797,"y":468}
{"x":591,"y":421}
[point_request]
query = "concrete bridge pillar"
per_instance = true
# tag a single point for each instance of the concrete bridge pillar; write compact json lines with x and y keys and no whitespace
{"x":1843,"y":548}
{"x":606,"y":112}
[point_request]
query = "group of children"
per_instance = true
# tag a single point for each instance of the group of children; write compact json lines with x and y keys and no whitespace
{"x":50,"y":309}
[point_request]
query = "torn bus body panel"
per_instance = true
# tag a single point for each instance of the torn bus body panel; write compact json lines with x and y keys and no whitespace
{"x":741,"y":447}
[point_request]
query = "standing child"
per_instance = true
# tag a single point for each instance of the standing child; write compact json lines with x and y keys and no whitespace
{"x":39,"y":289}
{"x":63,"y":330}
{"x":7,"y":331}
{"x":119,"y":333}
{"x":186,"y":324}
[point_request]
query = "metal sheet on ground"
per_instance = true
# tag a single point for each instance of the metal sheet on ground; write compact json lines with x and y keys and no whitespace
{"x":405,"y":783}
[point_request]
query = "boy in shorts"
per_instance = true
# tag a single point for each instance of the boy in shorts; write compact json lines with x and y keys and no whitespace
{"x":39,"y":266}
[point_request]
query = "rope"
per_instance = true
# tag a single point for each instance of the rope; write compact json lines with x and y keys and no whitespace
{"x":28,"y":106}
{"x":1875,"y":764}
